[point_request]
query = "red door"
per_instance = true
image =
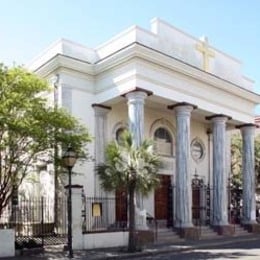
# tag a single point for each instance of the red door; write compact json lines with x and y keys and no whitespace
{"x":161,"y":198}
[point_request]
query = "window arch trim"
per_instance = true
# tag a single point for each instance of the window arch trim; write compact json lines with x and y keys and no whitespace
{"x":118,"y":126}
{"x":164,"y":124}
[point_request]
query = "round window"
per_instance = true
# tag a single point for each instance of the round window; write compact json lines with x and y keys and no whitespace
{"x":197,"y":150}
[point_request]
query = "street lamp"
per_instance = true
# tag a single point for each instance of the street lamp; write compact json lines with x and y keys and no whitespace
{"x":69,"y":159}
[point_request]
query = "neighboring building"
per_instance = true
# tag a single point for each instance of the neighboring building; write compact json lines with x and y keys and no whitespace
{"x":166,"y":85}
{"x":257,"y":120}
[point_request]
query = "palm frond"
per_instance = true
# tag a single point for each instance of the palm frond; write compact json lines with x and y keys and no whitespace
{"x":125,"y":162}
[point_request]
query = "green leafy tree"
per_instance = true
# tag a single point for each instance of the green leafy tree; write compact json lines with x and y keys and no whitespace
{"x":236,"y":159}
{"x":29,"y":128}
{"x":131,"y":168}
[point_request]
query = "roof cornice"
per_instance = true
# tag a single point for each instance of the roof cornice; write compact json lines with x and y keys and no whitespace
{"x":137,"y":50}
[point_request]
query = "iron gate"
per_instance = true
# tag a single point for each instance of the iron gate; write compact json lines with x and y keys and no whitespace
{"x":201,"y":206}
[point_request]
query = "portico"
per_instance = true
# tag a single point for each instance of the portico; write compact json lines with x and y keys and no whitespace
{"x":165,"y":85}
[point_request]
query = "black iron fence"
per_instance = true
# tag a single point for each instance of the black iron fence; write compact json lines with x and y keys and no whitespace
{"x":102,"y":214}
{"x":34,"y":222}
{"x":201,"y":203}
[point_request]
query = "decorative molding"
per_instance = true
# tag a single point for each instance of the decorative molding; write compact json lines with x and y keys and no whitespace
{"x":164,"y":123}
{"x":137,"y":50}
{"x":195,"y":152}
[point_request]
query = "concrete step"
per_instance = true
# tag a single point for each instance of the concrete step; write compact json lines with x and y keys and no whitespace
{"x":166,"y":236}
{"x":240,"y":231}
{"x":208,"y":233}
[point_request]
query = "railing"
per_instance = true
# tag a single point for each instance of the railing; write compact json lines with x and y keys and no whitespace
{"x":103,"y":214}
{"x":28,"y":216}
{"x":33,"y":221}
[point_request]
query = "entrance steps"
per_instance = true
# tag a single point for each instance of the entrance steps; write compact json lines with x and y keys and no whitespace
{"x":168,"y":236}
{"x":207,"y":233}
{"x":239,"y":231}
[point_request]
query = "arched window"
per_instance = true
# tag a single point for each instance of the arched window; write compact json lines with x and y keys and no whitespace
{"x":119,"y":132}
{"x":163,"y":142}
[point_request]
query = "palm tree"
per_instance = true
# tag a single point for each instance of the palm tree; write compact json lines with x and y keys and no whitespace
{"x":132,"y":168}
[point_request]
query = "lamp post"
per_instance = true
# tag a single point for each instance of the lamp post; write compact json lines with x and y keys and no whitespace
{"x":69,"y":159}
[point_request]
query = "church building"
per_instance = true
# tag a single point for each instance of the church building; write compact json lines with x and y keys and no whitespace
{"x":179,"y":90}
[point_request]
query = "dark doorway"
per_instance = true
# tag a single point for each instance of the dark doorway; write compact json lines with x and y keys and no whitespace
{"x":198,"y":189}
{"x":195,"y":203}
{"x":163,"y":200}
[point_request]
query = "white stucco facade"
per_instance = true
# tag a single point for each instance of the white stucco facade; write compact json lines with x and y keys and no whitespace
{"x":163,"y":62}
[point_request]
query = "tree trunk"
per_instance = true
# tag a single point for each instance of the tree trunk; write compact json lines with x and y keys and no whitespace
{"x":132,"y":236}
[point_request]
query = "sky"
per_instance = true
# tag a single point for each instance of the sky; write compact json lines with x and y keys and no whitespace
{"x":29,"y":26}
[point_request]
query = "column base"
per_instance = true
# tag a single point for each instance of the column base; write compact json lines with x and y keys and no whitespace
{"x":224,"y":230}
{"x":252,"y":227}
{"x":192,"y":233}
{"x":145,"y":237}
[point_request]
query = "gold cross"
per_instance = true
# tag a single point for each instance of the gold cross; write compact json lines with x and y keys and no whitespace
{"x":203,"y":47}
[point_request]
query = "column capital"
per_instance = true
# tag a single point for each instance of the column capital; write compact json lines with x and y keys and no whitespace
{"x":249,"y":125}
{"x":101,"y":109}
{"x":137,"y":89}
{"x":218,"y":117}
{"x":182,"y":104}
{"x":136,"y":96}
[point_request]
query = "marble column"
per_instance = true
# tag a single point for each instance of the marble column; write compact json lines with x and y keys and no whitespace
{"x":183,"y":194}
{"x":135,"y":102}
{"x":136,"y":114}
{"x":248,"y":170}
{"x":100,"y":139}
{"x":220,"y":192}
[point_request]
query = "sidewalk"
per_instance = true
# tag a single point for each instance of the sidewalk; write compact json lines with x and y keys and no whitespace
{"x":53,"y":253}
